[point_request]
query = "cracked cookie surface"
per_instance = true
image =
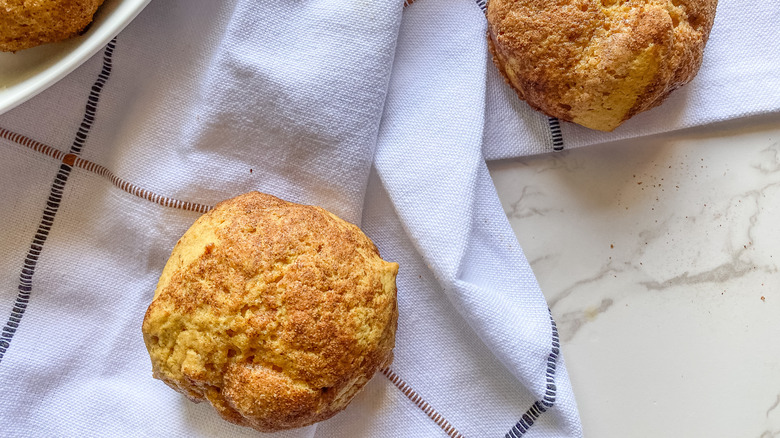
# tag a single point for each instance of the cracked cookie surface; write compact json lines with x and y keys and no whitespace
{"x":598,"y":63}
{"x":29,"y":23}
{"x":276,"y":313}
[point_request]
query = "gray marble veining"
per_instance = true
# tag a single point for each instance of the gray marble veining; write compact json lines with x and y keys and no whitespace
{"x":659,"y":260}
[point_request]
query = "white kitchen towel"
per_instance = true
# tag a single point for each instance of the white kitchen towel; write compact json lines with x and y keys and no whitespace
{"x":430,"y":162}
{"x":196,"y":102}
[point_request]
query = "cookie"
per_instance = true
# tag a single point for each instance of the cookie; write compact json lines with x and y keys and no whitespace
{"x":25,"y":24}
{"x":275,"y":313}
{"x":598,"y":62}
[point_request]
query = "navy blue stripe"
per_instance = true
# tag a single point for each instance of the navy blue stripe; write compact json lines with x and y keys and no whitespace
{"x":52,"y":206}
{"x":548,"y":401}
{"x":555,"y":133}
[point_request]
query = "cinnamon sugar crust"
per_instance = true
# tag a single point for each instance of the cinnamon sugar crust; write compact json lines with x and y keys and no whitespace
{"x":275,"y":313}
{"x":29,"y":23}
{"x":598,"y":62}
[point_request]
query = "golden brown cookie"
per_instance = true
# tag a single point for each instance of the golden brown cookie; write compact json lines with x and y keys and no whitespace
{"x":598,"y":62}
{"x":26,"y":23}
{"x":276,"y":313}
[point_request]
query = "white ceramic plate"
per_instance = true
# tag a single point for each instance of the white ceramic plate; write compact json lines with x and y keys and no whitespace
{"x":28,"y":72}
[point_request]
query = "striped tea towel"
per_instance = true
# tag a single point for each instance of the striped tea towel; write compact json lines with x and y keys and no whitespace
{"x":312,"y":101}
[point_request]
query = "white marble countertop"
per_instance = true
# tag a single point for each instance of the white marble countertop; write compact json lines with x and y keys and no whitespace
{"x":659,"y":258}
